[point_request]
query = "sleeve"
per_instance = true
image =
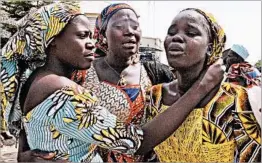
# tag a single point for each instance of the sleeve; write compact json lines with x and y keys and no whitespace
{"x":78,"y":116}
{"x":247,"y":131}
{"x":154,"y":102}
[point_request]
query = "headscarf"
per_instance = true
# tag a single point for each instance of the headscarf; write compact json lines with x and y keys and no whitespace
{"x":26,"y":51}
{"x":79,"y":76}
{"x":217,"y":36}
{"x":101,"y":45}
{"x":246,"y":73}
{"x":101,"y":24}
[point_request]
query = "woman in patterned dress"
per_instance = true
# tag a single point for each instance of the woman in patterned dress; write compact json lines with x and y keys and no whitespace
{"x":58,"y":114}
{"x":222,"y":127}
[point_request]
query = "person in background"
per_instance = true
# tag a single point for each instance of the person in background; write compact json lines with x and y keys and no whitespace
{"x":242,"y":73}
{"x":239,"y":70}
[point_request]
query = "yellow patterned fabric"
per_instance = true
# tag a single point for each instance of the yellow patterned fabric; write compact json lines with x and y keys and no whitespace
{"x":225,"y":130}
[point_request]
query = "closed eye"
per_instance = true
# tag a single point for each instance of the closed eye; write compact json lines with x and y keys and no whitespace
{"x":85,"y":34}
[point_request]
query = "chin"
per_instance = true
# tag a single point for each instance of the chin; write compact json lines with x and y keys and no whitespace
{"x":179,"y":65}
{"x":132,"y":52}
{"x":84,"y":66}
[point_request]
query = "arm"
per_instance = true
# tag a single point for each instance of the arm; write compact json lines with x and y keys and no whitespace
{"x":94,"y":124}
{"x":162,"y":126}
{"x":167,"y":122}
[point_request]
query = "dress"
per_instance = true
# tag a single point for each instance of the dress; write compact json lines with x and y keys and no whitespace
{"x":223,"y":131}
{"x":71,"y":123}
{"x":126,"y":102}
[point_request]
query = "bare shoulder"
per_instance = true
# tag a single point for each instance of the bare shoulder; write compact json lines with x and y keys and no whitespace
{"x":50,"y":83}
{"x":44,"y":86}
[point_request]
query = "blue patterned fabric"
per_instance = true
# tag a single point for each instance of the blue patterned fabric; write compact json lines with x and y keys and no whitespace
{"x":132,"y":93}
{"x":71,"y":124}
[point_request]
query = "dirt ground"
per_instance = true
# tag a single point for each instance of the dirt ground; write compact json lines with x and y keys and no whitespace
{"x":8,"y":154}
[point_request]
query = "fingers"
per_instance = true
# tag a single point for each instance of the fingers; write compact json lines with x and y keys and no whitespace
{"x":223,"y":67}
{"x":43,"y":155}
{"x":219,"y":61}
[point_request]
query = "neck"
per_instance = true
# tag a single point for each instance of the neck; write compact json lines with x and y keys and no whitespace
{"x":187,"y":76}
{"x":119,"y":63}
{"x":55,"y":66}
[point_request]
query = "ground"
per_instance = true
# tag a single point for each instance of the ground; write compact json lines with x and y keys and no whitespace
{"x":8,"y":154}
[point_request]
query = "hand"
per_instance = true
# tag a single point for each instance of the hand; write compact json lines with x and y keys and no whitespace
{"x":170,"y":93}
{"x":214,"y":75}
{"x":35,"y":156}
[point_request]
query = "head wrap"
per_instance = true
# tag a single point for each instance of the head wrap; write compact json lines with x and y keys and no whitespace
{"x":26,"y":49}
{"x":217,"y":36}
{"x":109,"y":11}
{"x":240,"y":50}
{"x":101,"y":25}
{"x":245,"y":72}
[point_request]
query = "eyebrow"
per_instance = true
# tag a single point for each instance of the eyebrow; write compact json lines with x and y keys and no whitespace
{"x":132,"y":20}
{"x":193,"y":25}
{"x":190,"y":25}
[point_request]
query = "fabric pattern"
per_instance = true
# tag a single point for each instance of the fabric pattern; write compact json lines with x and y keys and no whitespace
{"x":225,"y":130}
{"x":26,"y":50}
{"x":71,"y":123}
{"x":119,"y":103}
{"x":109,"y":11}
{"x":244,"y":73}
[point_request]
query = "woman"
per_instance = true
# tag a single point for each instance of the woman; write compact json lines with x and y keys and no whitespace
{"x":130,"y":90}
{"x":66,"y":118}
{"x":222,"y":128}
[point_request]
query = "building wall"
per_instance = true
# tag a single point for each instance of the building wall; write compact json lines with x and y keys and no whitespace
{"x":92,"y":19}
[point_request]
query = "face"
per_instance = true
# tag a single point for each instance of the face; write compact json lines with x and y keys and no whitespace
{"x":73,"y":46}
{"x":123,"y":34}
{"x":233,"y":58}
{"x":187,"y":40}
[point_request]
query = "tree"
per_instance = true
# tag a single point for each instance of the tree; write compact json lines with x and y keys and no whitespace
{"x":11,"y":12}
{"x":258,"y":65}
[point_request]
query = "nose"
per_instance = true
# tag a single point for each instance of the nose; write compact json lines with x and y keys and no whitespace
{"x":178,"y":38}
{"x":129,"y":31}
{"x":90,"y":45}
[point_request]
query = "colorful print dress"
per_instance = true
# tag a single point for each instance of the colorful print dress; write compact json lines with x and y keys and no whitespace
{"x":126,"y":102}
{"x":225,"y":130}
{"x":71,"y":123}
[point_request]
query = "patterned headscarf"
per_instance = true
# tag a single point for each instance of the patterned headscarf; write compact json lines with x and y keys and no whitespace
{"x":100,"y":39}
{"x":217,"y":36}
{"x":102,"y":21}
{"x":26,"y":50}
{"x":244,"y":72}
{"x":79,"y":76}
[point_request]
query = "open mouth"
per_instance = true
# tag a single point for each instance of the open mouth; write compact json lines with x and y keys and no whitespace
{"x":129,"y":44}
{"x":176,"y":50}
{"x":90,"y":56}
